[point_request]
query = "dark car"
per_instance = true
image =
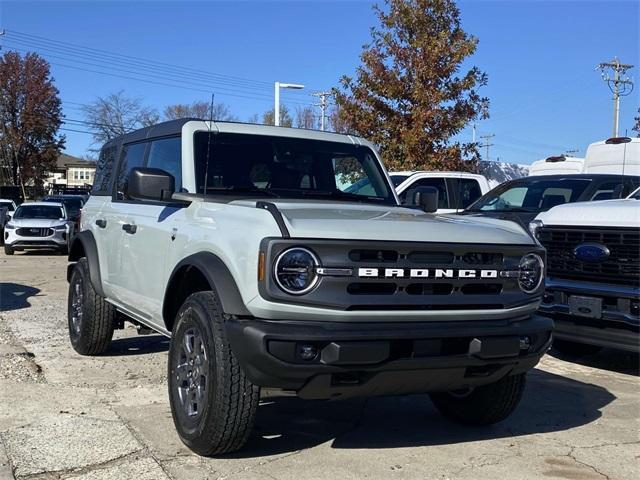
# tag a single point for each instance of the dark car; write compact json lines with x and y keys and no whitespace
{"x":521,"y":200}
{"x":72,"y":203}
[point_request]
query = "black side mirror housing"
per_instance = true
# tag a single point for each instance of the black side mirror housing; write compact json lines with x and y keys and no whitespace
{"x":149,"y":184}
{"x":424,"y":198}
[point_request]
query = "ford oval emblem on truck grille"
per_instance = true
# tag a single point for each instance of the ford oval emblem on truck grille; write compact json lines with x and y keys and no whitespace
{"x":591,"y":252}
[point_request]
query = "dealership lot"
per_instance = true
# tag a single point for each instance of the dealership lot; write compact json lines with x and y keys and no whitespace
{"x":67,"y":416}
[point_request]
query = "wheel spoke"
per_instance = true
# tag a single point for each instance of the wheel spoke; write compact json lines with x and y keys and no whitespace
{"x":181,"y":370}
{"x":187,"y":344}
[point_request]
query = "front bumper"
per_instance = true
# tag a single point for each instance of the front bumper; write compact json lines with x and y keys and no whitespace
{"x":617,"y":327}
{"x":58,"y":239}
{"x":367,"y":359}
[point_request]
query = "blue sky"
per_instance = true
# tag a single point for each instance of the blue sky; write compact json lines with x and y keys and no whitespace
{"x":540,"y":56}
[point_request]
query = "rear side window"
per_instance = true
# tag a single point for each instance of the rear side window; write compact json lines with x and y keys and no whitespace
{"x":166,"y":154}
{"x":104,"y":170}
{"x":469,"y":191}
{"x":439,"y":183}
{"x":132,"y":156}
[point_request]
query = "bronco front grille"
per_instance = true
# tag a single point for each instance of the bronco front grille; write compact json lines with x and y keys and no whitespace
{"x":34,"y":232}
{"x":621,"y":267}
{"x":369,"y":285}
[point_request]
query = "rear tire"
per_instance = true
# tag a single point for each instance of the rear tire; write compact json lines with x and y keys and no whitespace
{"x":8,"y":250}
{"x":213,"y":403}
{"x":575,"y":349}
{"x":483,"y":405}
{"x":91,"y":319}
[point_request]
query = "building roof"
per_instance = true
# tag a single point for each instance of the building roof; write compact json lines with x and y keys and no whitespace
{"x":65,"y":161}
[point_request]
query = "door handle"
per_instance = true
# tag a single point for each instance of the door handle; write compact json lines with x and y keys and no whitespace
{"x":129,"y":228}
{"x":101,"y":223}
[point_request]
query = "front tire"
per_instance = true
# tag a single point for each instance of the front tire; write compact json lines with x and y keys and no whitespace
{"x":212,"y":402}
{"x":91,"y":319}
{"x":8,"y":250}
{"x":483,"y":405}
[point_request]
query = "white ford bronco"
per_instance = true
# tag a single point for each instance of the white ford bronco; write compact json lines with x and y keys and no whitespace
{"x":243,"y":244}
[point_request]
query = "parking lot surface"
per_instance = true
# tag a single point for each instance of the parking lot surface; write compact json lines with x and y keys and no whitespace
{"x":108,"y":417}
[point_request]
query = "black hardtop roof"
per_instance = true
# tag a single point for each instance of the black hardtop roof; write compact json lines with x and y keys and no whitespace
{"x":571,"y":176}
{"x":164,"y":129}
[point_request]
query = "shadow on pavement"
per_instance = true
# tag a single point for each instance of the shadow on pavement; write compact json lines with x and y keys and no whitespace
{"x":551,"y":403}
{"x":14,"y":296}
{"x":606,"y":359}
{"x":138,"y":345}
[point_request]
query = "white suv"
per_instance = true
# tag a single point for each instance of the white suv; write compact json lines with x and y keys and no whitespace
{"x":244,"y":244}
{"x":38,"y":226}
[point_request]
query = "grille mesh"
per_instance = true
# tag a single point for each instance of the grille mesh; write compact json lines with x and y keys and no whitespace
{"x":622,"y":267}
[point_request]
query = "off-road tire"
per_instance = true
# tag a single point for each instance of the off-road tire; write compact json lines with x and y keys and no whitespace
{"x":225,"y":418}
{"x":8,"y":250}
{"x":575,"y":349}
{"x":92,"y":334}
{"x":484,"y":405}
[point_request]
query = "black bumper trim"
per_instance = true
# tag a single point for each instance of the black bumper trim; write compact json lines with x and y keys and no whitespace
{"x":449,"y":365}
{"x":618,"y":339}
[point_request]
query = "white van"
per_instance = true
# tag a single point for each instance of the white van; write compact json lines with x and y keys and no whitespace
{"x":558,"y":165}
{"x":619,"y":155}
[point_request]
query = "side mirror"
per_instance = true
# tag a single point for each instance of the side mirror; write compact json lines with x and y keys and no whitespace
{"x":149,"y":184}
{"x":424,"y":198}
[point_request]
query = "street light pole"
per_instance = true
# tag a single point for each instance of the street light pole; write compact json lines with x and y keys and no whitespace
{"x":276,"y":96}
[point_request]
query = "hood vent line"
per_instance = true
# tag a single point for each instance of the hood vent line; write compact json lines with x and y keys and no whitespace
{"x":277,"y":216}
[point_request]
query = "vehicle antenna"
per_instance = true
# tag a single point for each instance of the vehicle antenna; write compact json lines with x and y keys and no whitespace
{"x":206,"y":167}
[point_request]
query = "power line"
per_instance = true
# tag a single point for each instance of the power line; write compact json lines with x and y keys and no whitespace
{"x":619,"y":86}
{"x":487,"y":144}
{"x":323,"y":105}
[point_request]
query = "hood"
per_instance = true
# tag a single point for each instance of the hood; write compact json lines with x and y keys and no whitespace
{"x":35,"y":222}
{"x":521,"y":218}
{"x":306,"y":219}
{"x":606,"y":213}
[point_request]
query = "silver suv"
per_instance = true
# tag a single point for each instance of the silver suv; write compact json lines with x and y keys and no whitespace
{"x":245,"y":244}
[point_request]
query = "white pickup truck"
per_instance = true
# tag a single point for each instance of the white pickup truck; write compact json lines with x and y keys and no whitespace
{"x":593,"y":273}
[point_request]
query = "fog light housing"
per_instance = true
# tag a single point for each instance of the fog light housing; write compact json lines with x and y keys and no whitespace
{"x":307,"y":352}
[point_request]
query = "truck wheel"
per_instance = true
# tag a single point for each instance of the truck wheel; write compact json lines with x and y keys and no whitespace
{"x":575,"y":349}
{"x":212,"y":402}
{"x":8,"y":250}
{"x":91,"y":318}
{"x":483,"y":405}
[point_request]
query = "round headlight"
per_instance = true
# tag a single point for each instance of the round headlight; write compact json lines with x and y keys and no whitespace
{"x":294,"y":271}
{"x":531,"y":272}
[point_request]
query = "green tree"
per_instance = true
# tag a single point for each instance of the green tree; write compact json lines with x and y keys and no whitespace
{"x":30,"y":117}
{"x":409,"y":96}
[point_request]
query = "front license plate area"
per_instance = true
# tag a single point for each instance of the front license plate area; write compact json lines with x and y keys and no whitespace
{"x":589,"y":307}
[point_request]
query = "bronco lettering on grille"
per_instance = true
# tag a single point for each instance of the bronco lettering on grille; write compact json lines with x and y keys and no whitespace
{"x":425,"y":273}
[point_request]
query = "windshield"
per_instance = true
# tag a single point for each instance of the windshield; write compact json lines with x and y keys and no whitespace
{"x":73,"y":205}
{"x":44,"y":212}
{"x":531,"y":195}
{"x":397,"y":179}
{"x":9,"y":205}
{"x":262,"y":165}
{"x":635,"y":195}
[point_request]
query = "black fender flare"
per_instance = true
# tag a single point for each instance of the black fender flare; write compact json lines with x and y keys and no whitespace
{"x":219,"y":278}
{"x":84,"y":245}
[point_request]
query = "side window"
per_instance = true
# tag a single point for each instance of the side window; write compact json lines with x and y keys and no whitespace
{"x":469,"y":191}
{"x":166,"y":154}
{"x":104,"y":171}
{"x":132,"y":156}
{"x":439,"y":183}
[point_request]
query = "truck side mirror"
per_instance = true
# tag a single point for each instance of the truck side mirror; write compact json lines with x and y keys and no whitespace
{"x":424,"y":198}
{"x":149,"y":184}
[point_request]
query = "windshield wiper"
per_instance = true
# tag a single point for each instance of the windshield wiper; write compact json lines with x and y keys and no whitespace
{"x":340,"y":194}
{"x":238,"y":189}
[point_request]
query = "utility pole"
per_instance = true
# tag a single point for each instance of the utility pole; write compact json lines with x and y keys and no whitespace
{"x":620,"y":85}
{"x":323,"y":105}
{"x":486,"y":144}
